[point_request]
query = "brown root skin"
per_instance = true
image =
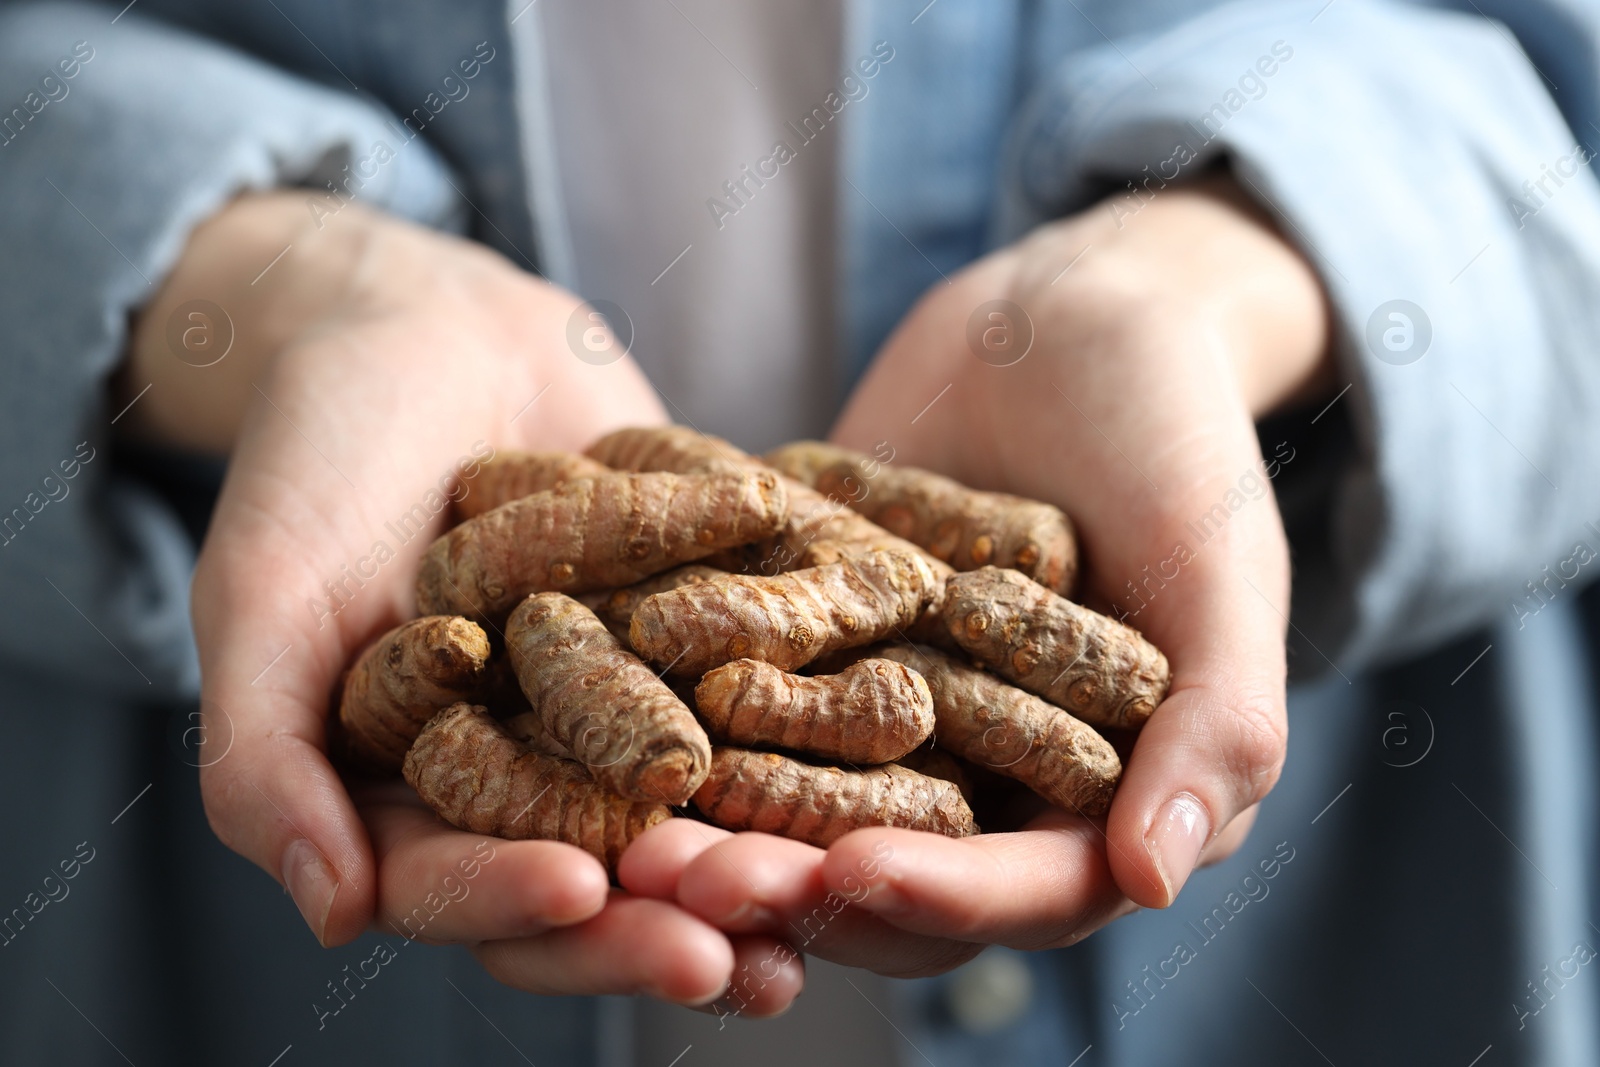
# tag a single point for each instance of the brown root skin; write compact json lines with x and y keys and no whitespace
{"x":1103,"y":672}
{"x":529,"y":728}
{"x":935,"y":762}
{"x":679,"y":449}
{"x":402,"y":680}
{"x":872,"y":712}
{"x":787,"y":620}
{"x":604,"y":704}
{"x":805,"y":460}
{"x":968,"y":528}
{"x":594,"y":533}
{"x":481,"y":779}
{"x":511,"y":475}
{"x":1014,"y":733}
{"x":615,"y":607}
{"x":774,"y":794}
{"x":813,"y":517}
{"x":929,"y":629}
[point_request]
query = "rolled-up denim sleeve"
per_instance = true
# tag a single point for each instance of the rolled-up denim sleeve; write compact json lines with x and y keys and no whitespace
{"x":1418,"y":159}
{"x":118,"y":135}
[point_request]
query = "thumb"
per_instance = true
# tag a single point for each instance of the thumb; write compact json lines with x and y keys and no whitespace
{"x":1216,"y":745}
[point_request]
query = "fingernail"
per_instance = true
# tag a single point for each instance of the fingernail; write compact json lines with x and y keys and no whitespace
{"x":780,"y":1013}
{"x":1175,"y":839}
{"x":660,"y":993}
{"x":311,"y":883}
{"x":884,"y":898}
{"x":748,"y":915}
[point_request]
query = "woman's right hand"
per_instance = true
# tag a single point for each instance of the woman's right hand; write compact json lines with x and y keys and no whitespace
{"x":368,"y":362}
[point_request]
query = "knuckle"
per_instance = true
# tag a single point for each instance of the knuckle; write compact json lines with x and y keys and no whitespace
{"x":1260,"y":742}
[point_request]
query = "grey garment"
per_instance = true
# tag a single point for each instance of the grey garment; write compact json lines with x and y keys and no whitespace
{"x":662,"y":137}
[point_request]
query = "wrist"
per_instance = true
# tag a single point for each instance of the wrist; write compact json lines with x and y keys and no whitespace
{"x":1270,"y":303}
{"x":253,"y":280}
{"x":1199,"y":261}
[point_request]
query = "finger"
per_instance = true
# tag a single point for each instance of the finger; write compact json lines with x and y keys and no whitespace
{"x":768,"y":974}
{"x":1216,"y":745}
{"x":438,"y":884}
{"x":632,"y":946}
{"x":272,"y":796}
{"x":655,"y":861}
{"x":268,"y":668}
{"x":1225,"y":844}
{"x":759,"y":883}
{"x":1045,"y":886}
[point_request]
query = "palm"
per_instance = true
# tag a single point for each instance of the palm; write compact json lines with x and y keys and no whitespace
{"x":1133,"y":412}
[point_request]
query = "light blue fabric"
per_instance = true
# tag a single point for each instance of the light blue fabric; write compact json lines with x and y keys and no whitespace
{"x":103,"y":186}
{"x":1393,"y":141}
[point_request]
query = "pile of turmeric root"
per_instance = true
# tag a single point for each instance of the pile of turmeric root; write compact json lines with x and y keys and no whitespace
{"x":803,"y":644}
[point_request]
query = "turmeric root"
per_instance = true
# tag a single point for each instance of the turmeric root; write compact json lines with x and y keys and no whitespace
{"x":994,"y":725}
{"x":603,"y":704}
{"x":615,"y":607}
{"x":401,"y":681}
{"x":764,"y":791}
{"x":935,"y":762}
{"x":1103,"y":672}
{"x":873,"y":712}
{"x":805,"y":460}
{"x":679,"y":449}
{"x":787,"y":620}
{"x":964,"y":527}
{"x":479,"y":778}
{"x":529,"y":728}
{"x":512,"y":475}
{"x":822,"y":553}
{"x":594,"y":533}
{"x":929,"y":628}
{"x":812,"y":516}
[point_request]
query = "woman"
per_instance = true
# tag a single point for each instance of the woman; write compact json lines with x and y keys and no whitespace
{"x":1085,"y":253}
